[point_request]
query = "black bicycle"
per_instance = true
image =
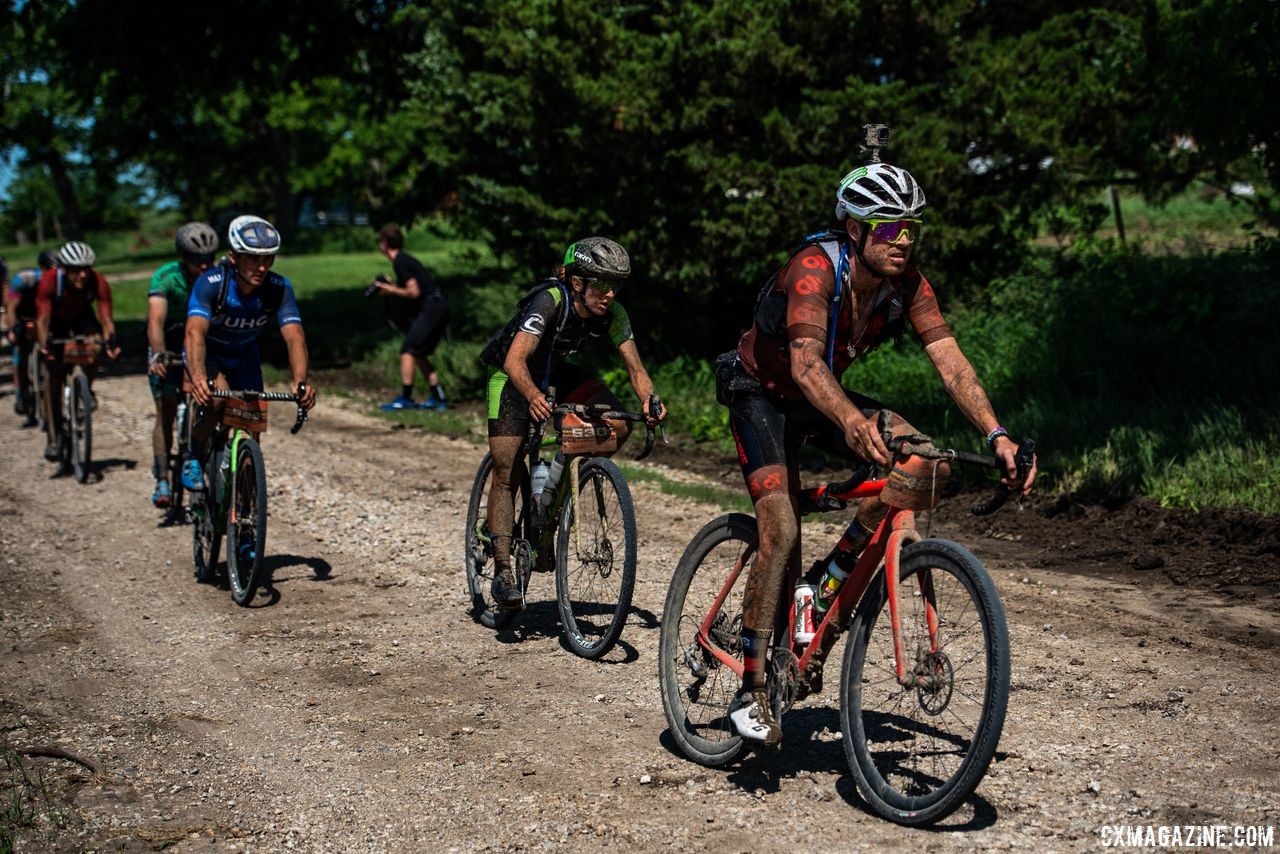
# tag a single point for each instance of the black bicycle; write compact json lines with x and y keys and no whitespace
{"x":583,"y":524}
{"x":234,"y":498}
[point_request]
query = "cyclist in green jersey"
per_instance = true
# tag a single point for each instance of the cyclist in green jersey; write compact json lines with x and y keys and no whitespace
{"x":557,"y":318}
{"x":167,"y":298}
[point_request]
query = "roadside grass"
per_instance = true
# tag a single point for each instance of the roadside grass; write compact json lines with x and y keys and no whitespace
{"x":25,"y":802}
{"x":1137,"y":371}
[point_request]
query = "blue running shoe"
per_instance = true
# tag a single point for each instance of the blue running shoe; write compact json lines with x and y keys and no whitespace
{"x":433,"y":404}
{"x":163,"y":495}
{"x":193,"y":475}
{"x":398,"y":404}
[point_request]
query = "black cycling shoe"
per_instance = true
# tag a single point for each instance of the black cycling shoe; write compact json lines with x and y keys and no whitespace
{"x":506,"y":593}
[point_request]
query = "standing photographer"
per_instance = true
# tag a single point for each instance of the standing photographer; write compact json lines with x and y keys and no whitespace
{"x":413,"y":282}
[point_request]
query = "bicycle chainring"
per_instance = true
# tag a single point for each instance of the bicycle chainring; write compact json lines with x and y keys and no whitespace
{"x":784,"y":680}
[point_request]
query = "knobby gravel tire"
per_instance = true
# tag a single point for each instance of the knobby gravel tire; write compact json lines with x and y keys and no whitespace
{"x":246,"y":570}
{"x":478,"y":555}
{"x":697,"y":688}
{"x":81,"y":427}
{"x":596,"y":566}
{"x":918,"y":753}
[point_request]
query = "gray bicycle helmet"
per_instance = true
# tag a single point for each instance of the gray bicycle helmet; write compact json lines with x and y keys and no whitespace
{"x":253,"y":235}
{"x":76,"y":254}
{"x":879,"y":191}
{"x":597,"y":258}
{"x":196,"y":238}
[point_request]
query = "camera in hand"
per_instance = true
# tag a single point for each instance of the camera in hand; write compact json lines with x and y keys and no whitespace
{"x":373,"y":288}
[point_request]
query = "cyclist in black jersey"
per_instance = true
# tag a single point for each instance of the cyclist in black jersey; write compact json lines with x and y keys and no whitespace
{"x":557,"y":318}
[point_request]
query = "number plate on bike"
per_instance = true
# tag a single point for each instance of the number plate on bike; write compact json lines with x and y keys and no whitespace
{"x":579,"y":436}
{"x":80,"y":352}
{"x":248,"y":415}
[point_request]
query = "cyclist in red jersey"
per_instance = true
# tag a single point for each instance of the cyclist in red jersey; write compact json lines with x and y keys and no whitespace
{"x":839,"y":296}
{"x":65,"y":300}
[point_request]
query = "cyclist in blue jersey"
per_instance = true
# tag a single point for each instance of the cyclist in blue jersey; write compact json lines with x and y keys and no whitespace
{"x":230,"y":306}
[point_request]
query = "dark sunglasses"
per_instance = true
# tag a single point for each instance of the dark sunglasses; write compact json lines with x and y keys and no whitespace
{"x":891,"y":230}
{"x":600,"y":286}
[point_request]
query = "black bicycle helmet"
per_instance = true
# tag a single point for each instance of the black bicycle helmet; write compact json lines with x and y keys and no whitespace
{"x":196,"y":238}
{"x":597,"y":258}
{"x":46,"y":260}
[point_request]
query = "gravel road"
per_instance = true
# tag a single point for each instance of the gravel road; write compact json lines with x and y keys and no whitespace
{"x":359,"y":707}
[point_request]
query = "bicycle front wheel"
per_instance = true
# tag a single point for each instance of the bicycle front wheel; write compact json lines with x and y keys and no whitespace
{"x":80,"y":426}
{"x":697,"y":687}
{"x":247,"y":523}
{"x":177,"y":456}
{"x":918,"y":751}
{"x":478,"y":554}
{"x":206,"y":539}
{"x":596,"y":559}
{"x":36,"y":373}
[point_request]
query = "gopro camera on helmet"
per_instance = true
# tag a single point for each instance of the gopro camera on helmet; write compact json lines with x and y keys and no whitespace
{"x":874,"y":138}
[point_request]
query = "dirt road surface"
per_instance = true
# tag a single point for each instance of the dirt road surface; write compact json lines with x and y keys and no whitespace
{"x":361,"y":708}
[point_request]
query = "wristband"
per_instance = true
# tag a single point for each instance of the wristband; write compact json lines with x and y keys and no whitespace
{"x":996,"y":434}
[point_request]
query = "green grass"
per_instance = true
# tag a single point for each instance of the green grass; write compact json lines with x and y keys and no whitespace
{"x":726,"y":499}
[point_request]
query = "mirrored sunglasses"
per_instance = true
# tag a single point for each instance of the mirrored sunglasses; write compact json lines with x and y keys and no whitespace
{"x":891,"y":230}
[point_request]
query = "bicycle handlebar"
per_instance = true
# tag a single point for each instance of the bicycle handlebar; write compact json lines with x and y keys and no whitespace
{"x":604,"y":412}
{"x":250,"y":394}
{"x":825,"y":498}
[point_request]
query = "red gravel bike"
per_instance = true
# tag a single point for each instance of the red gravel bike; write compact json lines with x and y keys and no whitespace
{"x":925,"y":680}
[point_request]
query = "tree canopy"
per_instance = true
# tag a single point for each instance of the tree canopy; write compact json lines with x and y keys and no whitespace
{"x":706,"y":135}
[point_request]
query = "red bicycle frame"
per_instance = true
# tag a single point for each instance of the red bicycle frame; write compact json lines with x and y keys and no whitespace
{"x":896,"y":529}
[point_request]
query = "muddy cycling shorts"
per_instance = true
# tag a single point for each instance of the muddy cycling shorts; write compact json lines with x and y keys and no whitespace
{"x":769,"y":430}
{"x":509,"y":411}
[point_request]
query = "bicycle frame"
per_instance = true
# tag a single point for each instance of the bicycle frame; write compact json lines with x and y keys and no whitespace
{"x":894,"y":531}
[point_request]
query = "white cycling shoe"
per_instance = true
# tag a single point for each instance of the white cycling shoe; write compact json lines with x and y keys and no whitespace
{"x":753,"y":718}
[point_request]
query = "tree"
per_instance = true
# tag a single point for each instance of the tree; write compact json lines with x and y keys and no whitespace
{"x":38,"y":113}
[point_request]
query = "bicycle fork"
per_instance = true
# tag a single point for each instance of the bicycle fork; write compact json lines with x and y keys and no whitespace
{"x":920,"y":674}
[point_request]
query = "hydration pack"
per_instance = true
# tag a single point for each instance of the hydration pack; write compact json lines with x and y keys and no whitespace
{"x":771,"y":305}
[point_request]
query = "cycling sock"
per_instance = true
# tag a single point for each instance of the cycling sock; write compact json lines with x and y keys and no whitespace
{"x":754,"y":645}
{"x":406,"y":391}
{"x":437,"y":392}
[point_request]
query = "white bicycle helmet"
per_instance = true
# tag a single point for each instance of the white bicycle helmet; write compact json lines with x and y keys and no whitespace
{"x":76,"y":254}
{"x":879,"y":191}
{"x":253,"y":235}
{"x":196,"y":238}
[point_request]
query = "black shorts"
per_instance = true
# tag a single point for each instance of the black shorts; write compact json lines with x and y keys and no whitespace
{"x":509,"y":411}
{"x":769,"y":431}
{"x":427,"y":328}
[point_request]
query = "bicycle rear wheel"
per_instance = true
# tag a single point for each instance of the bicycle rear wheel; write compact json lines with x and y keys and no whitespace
{"x":81,"y":426}
{"x":918,"y":752}
{"x":478,"y":553}
{"x":697,"y":687}
{"x":596,"y":559}
{"x":247,"y":522}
